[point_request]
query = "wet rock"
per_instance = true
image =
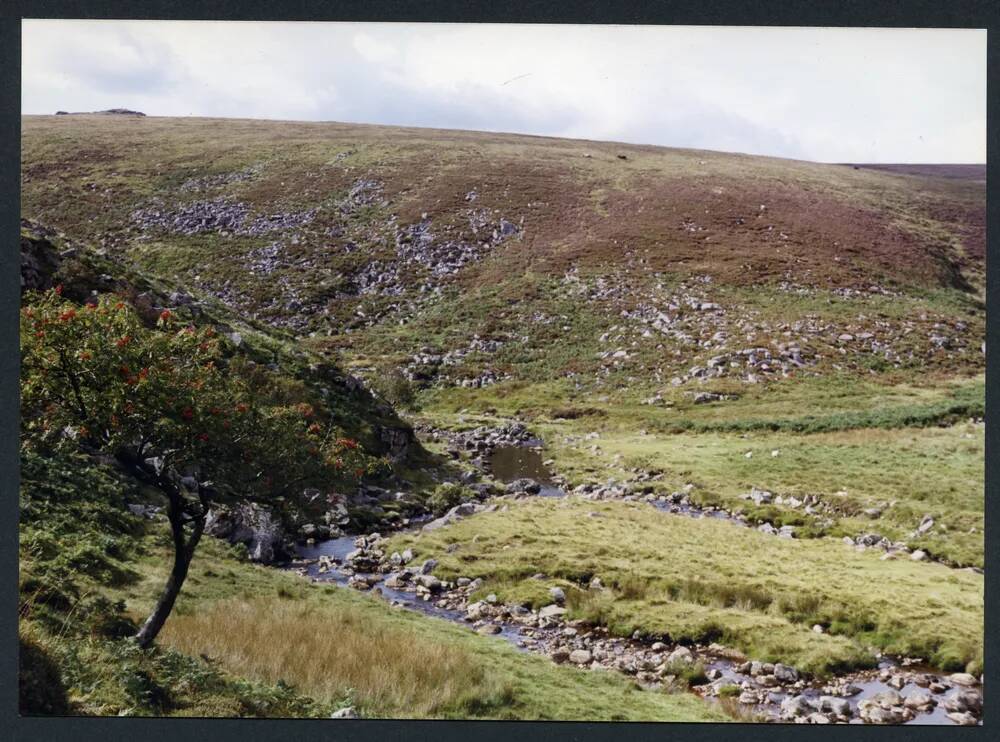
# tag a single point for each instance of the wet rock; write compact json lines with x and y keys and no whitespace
{"x":794,"y":707}
{"x":839,"y":707}
{"x":962,"y":718}
{"x":785,"y":673}
{"x":963,"y":678}
{"x":430,"y":582}
{"x":964,"y":699}
{"x":524,"y":485}
{"x":920,"y":700}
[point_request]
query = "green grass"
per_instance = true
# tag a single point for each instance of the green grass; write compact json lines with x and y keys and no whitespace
{"x":706,"y":580}
{"x":246,"y":640}
{"x":906,"y":449}
{"x":398,"y":663}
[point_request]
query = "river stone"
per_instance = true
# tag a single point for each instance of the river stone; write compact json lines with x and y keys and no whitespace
{"x":795,"y":706}
{"x":785,"y":673}
{"x":875,"y":714}
{"x":897,"y":681}
{"x":840,"y":707}
{"x":428,"y":566}
{"x":887,"y":699}
{"x":551,"y":611}
{"x":580,"y":657}
{"x":429,"y":582}
{"x":963,"y":678}
{"x":920,"y":700}
{"x":817,"y":718}
{"x":963,"y":718}
{"x":964,"y":700}
{"x":488,"y":629}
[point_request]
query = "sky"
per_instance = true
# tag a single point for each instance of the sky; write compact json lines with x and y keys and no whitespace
{"x":828,"y":95}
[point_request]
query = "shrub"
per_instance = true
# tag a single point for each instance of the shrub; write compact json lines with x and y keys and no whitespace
{"x":448,"y":495}
{"x":395,"y":388}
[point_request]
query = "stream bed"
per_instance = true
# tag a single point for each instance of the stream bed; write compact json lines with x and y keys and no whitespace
{"x":326,"y":561}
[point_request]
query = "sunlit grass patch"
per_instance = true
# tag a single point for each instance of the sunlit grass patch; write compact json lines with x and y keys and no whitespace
{"x":708,"y":580}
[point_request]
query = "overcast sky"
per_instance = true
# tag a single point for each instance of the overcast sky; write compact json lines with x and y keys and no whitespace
{"x":833,"y":95}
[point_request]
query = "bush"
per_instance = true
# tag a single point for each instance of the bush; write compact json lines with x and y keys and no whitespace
{"x":395,"y":388}
{"x":448,"y":495}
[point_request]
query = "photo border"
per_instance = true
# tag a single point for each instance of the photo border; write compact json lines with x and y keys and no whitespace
{"x":878,"y":13}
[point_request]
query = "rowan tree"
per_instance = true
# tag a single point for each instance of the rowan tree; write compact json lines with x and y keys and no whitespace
{"x":167,"y":404}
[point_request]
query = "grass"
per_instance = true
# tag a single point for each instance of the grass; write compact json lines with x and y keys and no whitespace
{"x":332,"y":644}
{"x":907,"y":450}
{"x":246,"y":640}
{"x":324,"y":650}
{"x":705,"y":580}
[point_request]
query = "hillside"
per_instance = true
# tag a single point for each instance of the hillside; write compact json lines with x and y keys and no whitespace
{"x":392,"y":240}
{"x":785,"y":359}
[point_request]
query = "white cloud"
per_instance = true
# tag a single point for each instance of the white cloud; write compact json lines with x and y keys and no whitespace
{"x":889,"y":95}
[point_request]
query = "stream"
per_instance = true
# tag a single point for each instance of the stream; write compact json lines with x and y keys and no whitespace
{"x":509,"y":463}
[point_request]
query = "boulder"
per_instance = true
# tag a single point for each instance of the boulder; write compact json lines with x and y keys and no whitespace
{"x":430,"y":582}
{"x":557,"y":595}
{"x":839,"y":707}
{"x":963,"y":718}
{"x":252,"y":525}
{"x":551,"y":611}
{"x":580,"y":657}
{"x":794,"y":707}
{"x":964,"y":699}
{"x":345,"y":713}
{"x":785,"y":673}
{"x":920,"y":700}
{"x":963,"y":678}
{"x":428,"y":566}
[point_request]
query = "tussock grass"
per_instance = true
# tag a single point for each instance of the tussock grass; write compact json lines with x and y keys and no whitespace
{"x":707,"y":580}
{"x":337,"y":651}
{"x":906,"y":473}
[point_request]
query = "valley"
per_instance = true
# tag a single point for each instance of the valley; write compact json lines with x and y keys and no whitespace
{"x":665,"y":434}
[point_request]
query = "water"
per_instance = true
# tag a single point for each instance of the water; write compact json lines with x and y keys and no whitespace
{"x":338,"y":548}
{"x":508,"y":463}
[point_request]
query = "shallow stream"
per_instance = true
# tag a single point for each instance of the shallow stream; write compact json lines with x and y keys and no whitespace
{"x":518,"y":462}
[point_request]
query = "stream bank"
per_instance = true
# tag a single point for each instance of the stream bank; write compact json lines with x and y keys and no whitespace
{"x":896,"y":692}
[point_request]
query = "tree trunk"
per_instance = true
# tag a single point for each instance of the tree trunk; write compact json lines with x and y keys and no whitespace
{"x":183,"y":553}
